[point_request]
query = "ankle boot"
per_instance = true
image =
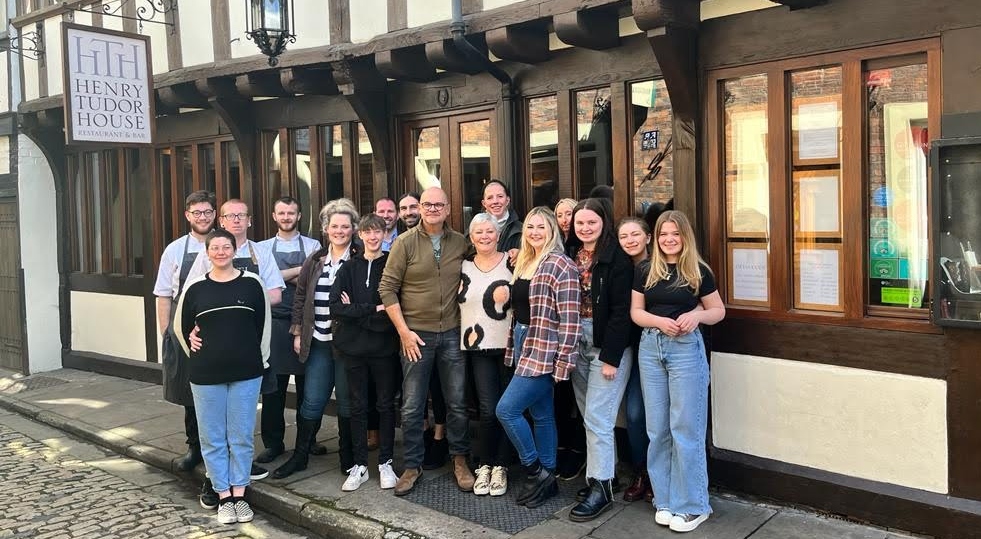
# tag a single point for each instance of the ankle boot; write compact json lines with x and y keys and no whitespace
{"x":600,"y":499}
{"x":305,"y":431}
{"x":344,"y":442}
{"x":640,"y":486}
{"x":316,"y":449}
{"x":190,"y":459}
{"x":436,"y":455}
{"x":539,"y":485}
{"x":583,"y":493}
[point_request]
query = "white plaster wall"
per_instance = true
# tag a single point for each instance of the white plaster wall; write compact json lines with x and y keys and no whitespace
{"x":4,"y":86}
{"x":158,"y":46}
{"x":712,"y":9}
{"x":116,"y":23}
{"x":197,"y":43}
{"x":53,"y":60}
{"x":241,"y":46}
{"x":867,"y":424}
{"x":30,"y":69}
{"x":369,"y":18}
{"x":108,"y":324}
{"x":312,"y":23}
{"x":628,"y":27}
{"x":493,"y":4}
{"x":4,"y":155}
{"x":420,"y":12}
{"x":38,"y":252}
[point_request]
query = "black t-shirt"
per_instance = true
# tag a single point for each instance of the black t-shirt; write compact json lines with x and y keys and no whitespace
{"x":520,"y":303}
{"x":666,"y":298}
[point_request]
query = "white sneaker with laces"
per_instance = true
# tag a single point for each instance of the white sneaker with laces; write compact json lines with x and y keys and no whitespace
{"x":386,"y":476}
{"x":243,"y":511}
{"x":226,"y":511}
{"x":356,"y":477}
{"x":686,"y":523}
{"x":663,"y":517}
{"x":499,"y":481}
{"x":481,"y":484}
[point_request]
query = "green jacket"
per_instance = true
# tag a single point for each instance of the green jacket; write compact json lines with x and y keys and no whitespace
{"x":426,"y":291}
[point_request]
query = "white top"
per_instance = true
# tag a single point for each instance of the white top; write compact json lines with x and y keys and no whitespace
{"x":310,"y":245}
{"x":485,"y":321}
{"x":170,"y":265}
{"x":268,"y":269}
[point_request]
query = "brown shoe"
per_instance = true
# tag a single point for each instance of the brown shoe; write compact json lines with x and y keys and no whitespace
{"x":407,"y":482}
{"x":638,"y":488}
{"x":464,"y":477}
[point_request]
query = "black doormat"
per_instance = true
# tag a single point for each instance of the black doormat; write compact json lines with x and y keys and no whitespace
{"x":498,"y":512}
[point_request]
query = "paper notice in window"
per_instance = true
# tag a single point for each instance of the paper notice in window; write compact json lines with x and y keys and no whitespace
{"x":819,"y":277}
{"x":749,"y":275}
{"x":817,"y":136}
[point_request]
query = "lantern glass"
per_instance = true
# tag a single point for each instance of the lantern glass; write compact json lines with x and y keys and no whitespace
{"x":269,"y":15}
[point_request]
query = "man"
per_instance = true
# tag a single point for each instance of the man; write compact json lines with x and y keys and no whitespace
{"x":409,"y":209}
{"x":175,"y":265}
{"x":419,"y":289}
{"x":497,"y":202}
{"x":289,"y":249}
{"x":385,"y":208}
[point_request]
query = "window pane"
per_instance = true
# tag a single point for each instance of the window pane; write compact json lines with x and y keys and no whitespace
{"x":185,"y":172}
{"x":232,"y":169}
{"x":425,"y":143}
{"x":897,"y":155}
{"x":93,"y":163}
{"x":79,"y":208}
{"x":594,"y":155}
{"x":206,"y":155}
{"x":302,"y":177}
{"x":747,"y":190}
{"x":651,"y":142}
{"x":816,"y":190}
{"x":333,"y":146}
{"x":475,"y":140}
{"x":137,"y":185}
{"x":543,"y":150}
{"x":366,"y":169}
{"x":115,"y":208}
{"x":169,"y":209}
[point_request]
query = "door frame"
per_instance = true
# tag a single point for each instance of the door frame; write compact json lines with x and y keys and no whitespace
{"x":21,"y":297}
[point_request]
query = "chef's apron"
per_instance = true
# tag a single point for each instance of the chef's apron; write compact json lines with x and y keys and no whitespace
{"x":282,"y":358}
{"x":251,"y":264}
{"x":176,"y":374}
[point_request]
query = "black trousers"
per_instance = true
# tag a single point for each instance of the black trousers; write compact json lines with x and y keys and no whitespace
{"x":381,"y":373}
{"x":436,"y":396}
{"x":191,"y":427}
{"x":568,"y":420}
{"x":491,"y":377}
{"x":272,"y":424}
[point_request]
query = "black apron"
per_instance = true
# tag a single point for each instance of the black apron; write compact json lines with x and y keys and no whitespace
{"x":282,"y":358}
{"x":251,"y":264}
{"x":176,"y":375}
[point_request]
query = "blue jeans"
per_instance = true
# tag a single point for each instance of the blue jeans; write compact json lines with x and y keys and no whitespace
{"x":636,"y":419}
{"x":599,"y":402}
{"x":226,"y":423}
{"x":323,"y":375}
{"x":674,"y":375}
{"x":442,"y":352}
{"x":532,"y":393}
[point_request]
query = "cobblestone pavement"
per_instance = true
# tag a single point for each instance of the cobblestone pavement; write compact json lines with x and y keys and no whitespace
{"x":54,"y":487}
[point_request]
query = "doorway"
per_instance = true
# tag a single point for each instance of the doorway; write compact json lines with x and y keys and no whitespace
{"x":11,"y":316}
{"x":457,"y":153}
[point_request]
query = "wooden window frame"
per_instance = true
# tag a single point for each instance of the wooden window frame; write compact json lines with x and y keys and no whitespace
{"x":854,"y":184}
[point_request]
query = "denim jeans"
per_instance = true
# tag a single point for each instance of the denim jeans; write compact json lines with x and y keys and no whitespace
{"x":323,"y":375}
{"x":599,"y":401}
{"x":532,"y":393}
{"x":636,"y":420}
{"x":226,"y":422}
{"x":442,"y":352}
{"x":674,"y":375}
{"x":491,"y":377}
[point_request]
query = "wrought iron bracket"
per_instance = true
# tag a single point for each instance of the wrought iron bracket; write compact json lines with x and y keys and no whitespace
{"x":146,"y":11}
{"x":28,"y":44}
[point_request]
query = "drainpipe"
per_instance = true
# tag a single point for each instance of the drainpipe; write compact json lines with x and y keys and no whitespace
{"x":511,"y":112}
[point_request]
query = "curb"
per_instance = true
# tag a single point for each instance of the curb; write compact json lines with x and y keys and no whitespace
{"x":304,"y":512}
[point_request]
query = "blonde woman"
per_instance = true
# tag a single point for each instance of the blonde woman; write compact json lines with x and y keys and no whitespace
{"x":563,"y":215}
{"x":674,"y":369}
{"x":543,"y":347}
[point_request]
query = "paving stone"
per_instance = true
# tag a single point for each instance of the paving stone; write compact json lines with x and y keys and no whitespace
{"x":729,"y":520}
{"x":795,"y":525}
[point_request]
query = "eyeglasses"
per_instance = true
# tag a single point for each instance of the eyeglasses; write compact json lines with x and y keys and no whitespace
{"x":202,"y":213}
{"x":438,"y":206}
{"x":235,"y":216}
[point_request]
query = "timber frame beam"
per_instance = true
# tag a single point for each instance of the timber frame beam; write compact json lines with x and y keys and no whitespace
{"x":595,"y":29}
{"x":409,"y":63}
{"x":526,"y":43}
{"x":801,"y":4}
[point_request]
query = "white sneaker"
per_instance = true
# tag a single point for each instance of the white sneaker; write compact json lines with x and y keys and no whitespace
{"x":663,"y":517}
{"x":386,"y":476}
{"x":226,"y":511}
{"x":481,"y":485}
{"x":356,"y":477}
{"x":686,"y":523}
{"x":499,"y":481}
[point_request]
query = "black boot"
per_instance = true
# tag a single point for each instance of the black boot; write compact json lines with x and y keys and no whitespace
{"x":600,"y":499}
{"x":305,"y":429}
{"x":317,"y":450}
{"x":583,"y":493}
{"x":436,"y":454}
{"x":269,"y":454}
{"x":539,"y":485}
{"x":190,"y":459}
{"x":344,"y":443}
{"x":548,"y":487}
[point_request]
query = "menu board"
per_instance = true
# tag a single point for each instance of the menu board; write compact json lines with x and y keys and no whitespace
{"x":817,"y":280}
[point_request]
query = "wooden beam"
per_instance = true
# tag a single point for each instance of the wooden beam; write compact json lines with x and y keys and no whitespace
{"x":801,"y":4}
{"x":409,"y":63}
{"x":237,"y":113}
{"x":445,"y":55}
{"x":312,"y":81}
{"x":595,"y":29}
{"x":525,"y":43}
{"x":651,"y":14}
{"x":183,"y":95}
{"x":260,"y":84}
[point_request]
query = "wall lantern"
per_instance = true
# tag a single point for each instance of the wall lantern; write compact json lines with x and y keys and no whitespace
{"x":270,"y":24}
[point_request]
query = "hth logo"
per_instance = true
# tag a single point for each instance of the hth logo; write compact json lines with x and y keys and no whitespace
{"x":107,"y":58}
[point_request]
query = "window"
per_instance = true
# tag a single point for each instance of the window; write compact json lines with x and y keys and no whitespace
{"x":651,"y":142}
{"x":543,"y":142}
{"x":822,"y":175}
{"x":594,"y":139}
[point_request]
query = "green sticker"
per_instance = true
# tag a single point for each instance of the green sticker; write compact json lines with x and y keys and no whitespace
{"x":902,"y":296}
{"x":884,"y":268}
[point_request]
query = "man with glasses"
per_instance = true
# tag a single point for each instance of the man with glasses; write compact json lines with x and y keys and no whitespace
{"x":409,"y":209}
{"x":419,"y":290}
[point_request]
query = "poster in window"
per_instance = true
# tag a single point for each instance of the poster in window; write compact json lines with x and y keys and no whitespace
{"x":817,"y":279}
{"x":817,"y":132}
{"x":749,"y":274}
{"x":818,"y":200}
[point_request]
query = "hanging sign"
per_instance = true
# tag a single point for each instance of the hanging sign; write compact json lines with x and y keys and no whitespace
{"x":108,"y":86}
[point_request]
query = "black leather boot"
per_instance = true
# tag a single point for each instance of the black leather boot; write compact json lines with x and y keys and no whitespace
{"x":540,"y":484}
{"x":600,"y":499}
{"x":270,"y":454}
{"x":317,"y":450}
{"x":582,"y":493}
{"x":305,"y":430}
{"x":344,"y":443}
{"x":190,"y":459}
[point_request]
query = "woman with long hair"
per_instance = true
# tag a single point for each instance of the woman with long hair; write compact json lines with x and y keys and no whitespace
{"x":605,"y":359}
{"x":563,"y":215}
{"x":543,"y":347}
{"x":674,"y":370}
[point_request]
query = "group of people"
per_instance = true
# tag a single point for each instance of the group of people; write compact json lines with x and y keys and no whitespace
{"x":554,"y":321}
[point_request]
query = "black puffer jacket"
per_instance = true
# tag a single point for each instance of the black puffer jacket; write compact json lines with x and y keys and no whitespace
{"x":510,"y":234}
{"x":612,"y":281}
{"x":359,"y":329}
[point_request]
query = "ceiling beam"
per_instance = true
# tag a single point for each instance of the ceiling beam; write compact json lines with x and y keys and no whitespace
{"x":525,"y":43}
{"x":800,"y":4}
{"x":312,"y":81}
{"x":445,"y":55}
{"x":595,"y":29}
{"x":260,"y":84}
{"x":409,"y":63}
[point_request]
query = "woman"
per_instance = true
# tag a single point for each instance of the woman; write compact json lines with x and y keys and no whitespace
{"x":545,"y":302}
{"x":485,"y":316}
{"x":674,"y":370}
{"x":563,"y":215}
{"x":635,"y":238}
{"x":311,"y":329}
{"x":367,"y":346}
{"x":231,"y":311}
{"x":605,"y":359}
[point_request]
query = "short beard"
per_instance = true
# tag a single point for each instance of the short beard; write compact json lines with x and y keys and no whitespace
{"x":196,"y":228}
{"x":410,"y":223}
{"x":291,"y":229}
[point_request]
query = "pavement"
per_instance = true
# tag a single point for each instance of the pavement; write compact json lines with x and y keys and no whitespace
{"x":131,"y":418}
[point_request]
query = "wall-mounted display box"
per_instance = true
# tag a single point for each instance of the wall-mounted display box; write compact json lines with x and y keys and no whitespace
{"x":956,"y":167}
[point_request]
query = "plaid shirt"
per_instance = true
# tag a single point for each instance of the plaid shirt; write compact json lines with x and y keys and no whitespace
{"x":552,"y":343}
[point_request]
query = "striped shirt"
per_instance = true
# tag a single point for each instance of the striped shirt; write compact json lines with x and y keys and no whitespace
{"x":321,"y":298}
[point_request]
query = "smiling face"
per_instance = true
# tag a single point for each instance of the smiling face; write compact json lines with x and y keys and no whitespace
{"x":386,"y":210}
{"x":221,"y":253}
{"x":372,"y":239}
{"x":633,"y":240}
{"x":484,"y":238}
{"x":563,"y":214}
{"x":287,"y":216}
{"x":435,"y":207}
{"x":339,"y":230}
{"x":536,"y":232}
{"x":409,"y":211}
{"x":588,"y":226}
{"x":669,"y":241}
{"x":201,"y":217}
{"x":495,"y":201}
